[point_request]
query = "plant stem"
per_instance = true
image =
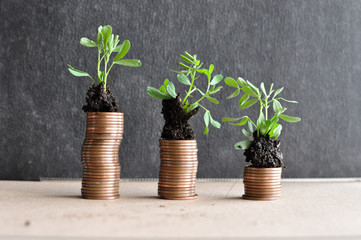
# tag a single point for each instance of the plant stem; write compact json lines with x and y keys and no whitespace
{"x":105,"y":73}
{"x":99,"y":61}
{"x":190,"y":87}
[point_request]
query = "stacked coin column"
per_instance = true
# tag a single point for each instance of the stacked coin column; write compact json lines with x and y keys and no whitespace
{"x":262,"y":183}
{"x":178,"y":169}
{"x":101,"y":168}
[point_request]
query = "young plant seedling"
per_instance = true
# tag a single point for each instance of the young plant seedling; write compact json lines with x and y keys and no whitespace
{"x":106,"y":43}
{"x":266,"y":127}
{"x":189,"y":76}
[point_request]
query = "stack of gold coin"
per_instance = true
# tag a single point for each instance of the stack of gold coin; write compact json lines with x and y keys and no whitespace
{"x":101,"y":168}
{"x":262,"y":183}
{"x":178,"y":169}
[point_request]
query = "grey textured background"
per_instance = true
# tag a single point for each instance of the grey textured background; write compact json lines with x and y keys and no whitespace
{"x":312,"y":48}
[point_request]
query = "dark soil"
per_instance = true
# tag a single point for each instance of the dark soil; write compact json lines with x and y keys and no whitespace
{"x":176,"y":125}
{"x":99,"y":101}
{"x":264,"y":152}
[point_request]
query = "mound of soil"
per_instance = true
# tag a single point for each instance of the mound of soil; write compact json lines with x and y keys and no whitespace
{"x":99,"y":101}
{"x":264,"y":152}
{"x":176,"y":125}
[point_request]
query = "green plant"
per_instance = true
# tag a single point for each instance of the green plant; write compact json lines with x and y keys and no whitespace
{"x":265,"y":126}
{"x":188,"y":76}
{"x":107,"y":44}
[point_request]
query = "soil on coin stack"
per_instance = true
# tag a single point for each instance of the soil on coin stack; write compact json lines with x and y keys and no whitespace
{"x":98,"y":100}
{"x":264,"y":152}
{"x":176,"y":125}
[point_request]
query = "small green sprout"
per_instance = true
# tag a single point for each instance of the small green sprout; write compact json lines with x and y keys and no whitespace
{"x":188,"y":76}
{"x":264,"y":126}
{"x":107,"y":44}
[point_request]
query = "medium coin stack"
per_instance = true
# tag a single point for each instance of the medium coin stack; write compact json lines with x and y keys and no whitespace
{"x":262,"y":183}
{"x":178,"y":169}
{"x":101,"y":168}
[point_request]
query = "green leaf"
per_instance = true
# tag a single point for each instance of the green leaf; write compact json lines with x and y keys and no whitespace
{"x":213,"y":100}
{"x":277,"y":131}
{"x":183,"y":65}
{"x":270,"y":90}
{"x":234,"y":94}
{"x":106,"y":32}
{"x":290,"y":101}
{"x":248,"y":104}
{"x":214,"y":122}
{"x":243,"y":99}
{"x":246,"y":133}
{"x":260,"y":120}
{"x":241,"y":123}
{"x":231,"y":82}
{"x":263,"y":89}
{"x":153,"y":92}
{"x":163,"y":89}
{"x":211,"y":67}
{"x":206,"y":121}
{"x":193,"y":107}
{"x":186,"y":59}
{"x":87,"y":42}
{"x":289,"y":118}
{"x":123,"y":49}
{"x":166,"y":81}
{"x":129,"y":62}
{"x":183,"y":79}
{"x":100,"y":76}
{"x":276,"y":106}
{"x":225,"y":119}
{"x":253,"y":87}
{"x":216,"y":79}
{"x":216,"y":90}
{"x":241,"y":82}
{"x":77,"y":72}
{"x":100,"y":35}
{"x":189,"y":56}
{"x":246,"y":89}
{"x":243,"y":145}
{"x":278,"y":91}
{"x":171,"y":90}
{"x":250,"y":126}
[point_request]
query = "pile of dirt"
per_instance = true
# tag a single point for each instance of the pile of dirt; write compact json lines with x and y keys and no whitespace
{"x":176,"y":125}
{"x":264,"y":152}
{"x":99,"y":101}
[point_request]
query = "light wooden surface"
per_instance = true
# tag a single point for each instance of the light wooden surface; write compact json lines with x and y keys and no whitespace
{"x":55,"y":209}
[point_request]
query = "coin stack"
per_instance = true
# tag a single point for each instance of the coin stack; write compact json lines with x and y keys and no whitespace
{"x":178,"y":169}
{"x":101,"y":168}
{"x":262,"y":183}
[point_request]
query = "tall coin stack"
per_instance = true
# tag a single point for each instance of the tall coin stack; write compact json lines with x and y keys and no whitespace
{"x":262,"y":183}
{"x":101,"y":168}
{"x":178,"y":169}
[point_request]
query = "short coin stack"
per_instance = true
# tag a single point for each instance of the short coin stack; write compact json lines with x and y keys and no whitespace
{"x":101,"y":168}
{"x":178,"y":169}
{"x":262,"y":183}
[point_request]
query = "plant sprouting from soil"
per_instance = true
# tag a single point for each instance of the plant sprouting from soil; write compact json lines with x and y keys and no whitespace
{"x":106,"y":43}
{"x":266,"y":126}
{"x":189,"y":76}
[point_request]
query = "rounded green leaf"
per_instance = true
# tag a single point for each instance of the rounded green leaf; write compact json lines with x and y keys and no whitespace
{"x":230,"y":119}
{"x":183,"y":79}
{"x":171,"y":90}
{"x":216,"y":79}
{"x":276,"y":106}
{"x":206,"y":118}
{"x":231,"y":82}
{"x":243,"y":145}
{"x":123,"y":49}
{"x":87,"y":42}
{"x":106,"y":32}
{"x":278,"y":91}
{"x":243,"y":99}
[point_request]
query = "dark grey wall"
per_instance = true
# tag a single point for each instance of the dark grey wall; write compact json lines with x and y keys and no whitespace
{"x":312,"y":48}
